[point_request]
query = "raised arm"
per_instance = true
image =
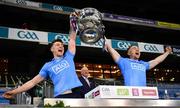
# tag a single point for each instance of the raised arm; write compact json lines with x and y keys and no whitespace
{"x":72,"y":42}
{"x":28,"y":85}
{"x":160,"y":58}
{"x":115,"y":55}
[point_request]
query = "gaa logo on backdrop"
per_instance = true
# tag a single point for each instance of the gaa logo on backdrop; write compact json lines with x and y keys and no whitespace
{"x":153,"y":48}
{"x":55,"y":7}
{"x":149,"y":47}
{"x":176,"y":50}
{"x":27,"y":35}
{"x":123,"y":45}
{"x":21,"y":2}
{"x":64,"y":38}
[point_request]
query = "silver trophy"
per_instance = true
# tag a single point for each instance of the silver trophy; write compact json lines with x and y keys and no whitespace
{"x":90,"y":25}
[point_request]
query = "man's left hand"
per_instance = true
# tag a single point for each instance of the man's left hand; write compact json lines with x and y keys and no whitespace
{"x":168,"y":49}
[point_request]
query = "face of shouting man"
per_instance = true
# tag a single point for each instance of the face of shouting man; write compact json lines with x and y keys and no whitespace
{"x":134,"y":52}
{"x":57,"y":48}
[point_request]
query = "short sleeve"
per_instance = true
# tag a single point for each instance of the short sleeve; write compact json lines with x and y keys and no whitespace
{"x":120,"y":63}
{"x":146,"y":64}
{"x":69,"y":55}
{"x":43,"y":72}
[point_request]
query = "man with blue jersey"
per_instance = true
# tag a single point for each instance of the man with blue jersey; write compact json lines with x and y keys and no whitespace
{"x":133,"y":69}
{"x":61,"y":69}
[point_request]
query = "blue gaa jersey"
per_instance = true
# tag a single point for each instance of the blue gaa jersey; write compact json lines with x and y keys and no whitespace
{"x":134,"y":71}
{"x":62,"y":73}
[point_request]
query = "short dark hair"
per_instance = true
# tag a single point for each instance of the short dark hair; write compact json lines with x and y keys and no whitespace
{"x":56,"y":40}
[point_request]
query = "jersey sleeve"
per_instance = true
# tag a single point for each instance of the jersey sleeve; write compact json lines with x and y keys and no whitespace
{"x":120,"y":62}
{"x":43,"y":72}
{"x":146,"y":64}
{"x":69,"y":55}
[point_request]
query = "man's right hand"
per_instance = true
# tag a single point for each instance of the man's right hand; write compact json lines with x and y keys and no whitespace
{"x":73,"y":21}
{"x":8,"y":94}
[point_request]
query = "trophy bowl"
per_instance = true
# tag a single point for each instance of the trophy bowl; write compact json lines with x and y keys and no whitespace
{"x":90,"y":25}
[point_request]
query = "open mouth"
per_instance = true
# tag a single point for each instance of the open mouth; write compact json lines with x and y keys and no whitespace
{"x":59,"y":50}
{"x":137,"y":53}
